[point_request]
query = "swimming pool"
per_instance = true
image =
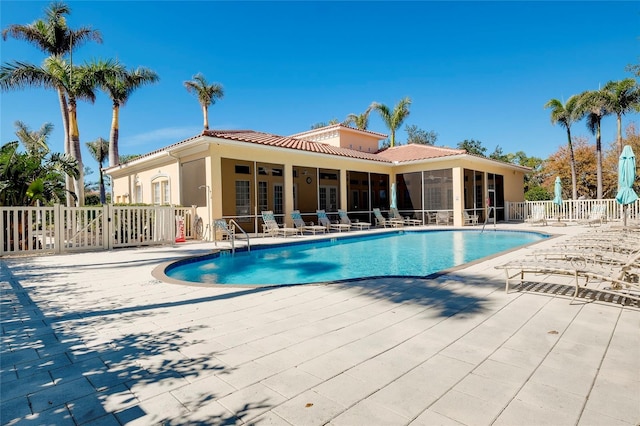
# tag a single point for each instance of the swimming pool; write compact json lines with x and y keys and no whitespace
{"x":402,"y":253}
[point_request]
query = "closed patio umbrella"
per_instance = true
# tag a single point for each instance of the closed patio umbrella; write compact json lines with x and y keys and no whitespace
{"x":557,"y":191}
{"x":626,"y":176}
{"x":394,"y":202}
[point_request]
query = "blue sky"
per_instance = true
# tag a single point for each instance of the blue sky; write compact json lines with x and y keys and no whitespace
{"x":474,"y":70}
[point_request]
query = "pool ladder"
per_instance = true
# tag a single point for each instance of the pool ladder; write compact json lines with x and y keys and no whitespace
{"x":232,"y":236}
{"x":487,"y":219}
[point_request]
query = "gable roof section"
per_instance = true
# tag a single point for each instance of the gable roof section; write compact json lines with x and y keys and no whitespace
{"x":414,"y":152}
{"x":340,"y":126}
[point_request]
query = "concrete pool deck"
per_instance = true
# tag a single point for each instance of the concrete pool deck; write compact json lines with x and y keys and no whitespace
{"x":93,"y":338}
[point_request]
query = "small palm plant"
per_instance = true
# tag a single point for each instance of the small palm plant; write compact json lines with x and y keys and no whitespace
{"x":624,"y":97}
{"x":206,"y":93}
{"x":361,"y":121}
{"x":393,"y":119}
{"x":594,"y":105}
{"x":566,"y":114}
{"x":99,"y":150}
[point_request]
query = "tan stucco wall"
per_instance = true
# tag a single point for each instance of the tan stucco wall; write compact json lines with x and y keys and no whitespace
{"x":359,"y":142}
{"x":222,"y":155}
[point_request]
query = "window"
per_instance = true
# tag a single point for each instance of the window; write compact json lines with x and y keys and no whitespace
{"x":160,"y":190}
{"x":138,"y":198}
{"x":328,"y":198}
{"x":166,"y":192}
{"x":242,"y":169}
{"x":278,"y":198}
{"x":262,"y":196}
{"x":156,"y":192}
{"x":243,"y":199}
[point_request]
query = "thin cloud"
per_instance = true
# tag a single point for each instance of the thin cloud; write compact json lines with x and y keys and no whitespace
{"x":164,"y":136}
{"x":169,"y":135}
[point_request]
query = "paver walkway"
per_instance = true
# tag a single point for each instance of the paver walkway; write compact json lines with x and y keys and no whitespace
{"x":93,"y":339}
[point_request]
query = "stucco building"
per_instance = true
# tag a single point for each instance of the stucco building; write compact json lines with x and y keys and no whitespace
{"x":239,"y":173}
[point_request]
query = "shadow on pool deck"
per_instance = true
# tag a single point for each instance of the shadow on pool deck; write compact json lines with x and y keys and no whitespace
{"x":52,"y":372}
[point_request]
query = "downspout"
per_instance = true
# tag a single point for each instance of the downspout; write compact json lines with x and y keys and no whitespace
{"x":179,"y":183}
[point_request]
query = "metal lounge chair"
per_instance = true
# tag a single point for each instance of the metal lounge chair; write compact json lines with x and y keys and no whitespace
{"x":395,"y":215}
{"x":344,"y":218}
{"x":538,"y":215}
{"x":597,"y":216}
{"x":382,"y":221}
{"x":469,"y":219}
{"x":299,"y":223}
{"x":324,"y":220}
{"x":272,"y":228}
{"x":442,"y":218}
{"x":221,"y":227}
{"x":616,"y":278}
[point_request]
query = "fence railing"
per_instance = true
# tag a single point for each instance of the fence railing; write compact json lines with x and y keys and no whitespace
{"x":571,"y":210}
{"x":60,"y":229}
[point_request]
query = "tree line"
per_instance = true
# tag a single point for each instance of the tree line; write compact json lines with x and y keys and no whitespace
{"x":72,"y":83}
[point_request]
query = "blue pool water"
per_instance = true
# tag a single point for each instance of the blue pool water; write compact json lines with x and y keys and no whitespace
{"x":408,"y":253}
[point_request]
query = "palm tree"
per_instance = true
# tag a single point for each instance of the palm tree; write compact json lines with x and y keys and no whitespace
{"x":361,"y":121}
{"x":119,"y":86}
{"x":624,"y":97}
{"x":35,"y":142}
{"x":52,"y":35}
{"x":55,"y":38}
{"x":34,"y":175}
{"x":393,"y":119}
{"x":566,"y":115}
{"x":593,"y":106}
{"x":99,"y":150}
{"x":56,"y":73}
{"x":206,"y":93}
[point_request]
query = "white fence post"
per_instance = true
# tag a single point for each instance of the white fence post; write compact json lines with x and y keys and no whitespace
{"x":58,"y":233}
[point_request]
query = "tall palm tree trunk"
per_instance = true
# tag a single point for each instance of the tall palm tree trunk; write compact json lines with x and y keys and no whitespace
{"x":103,"y":193}
{"x":574,"y":177}
{"x":114,"y":156}
{"x":74,"y":140}
{"x":64,"y":109}
{"x":619,"y":139}
{"x":205,"y":113}
{"x":598,"y":163}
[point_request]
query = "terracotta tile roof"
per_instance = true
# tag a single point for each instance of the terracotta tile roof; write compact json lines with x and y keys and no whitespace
{"x":301,"y":135}
{"x":290,"y":143}
{"x":412,"y":152}
{"x":399,"y":154}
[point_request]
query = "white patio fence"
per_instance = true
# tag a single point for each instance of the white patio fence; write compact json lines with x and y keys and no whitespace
{"x":571,"y":210}
{"x":60,"y":229}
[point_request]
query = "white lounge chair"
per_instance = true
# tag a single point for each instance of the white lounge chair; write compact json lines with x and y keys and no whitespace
{"x":344,"y":218}
{"x":597,"y":216}
{"x":299,"y":223}
{"x":394,"y":214}
{"x":272,"y":228}
{"x":615,"y":278}
{"x":382,"y":221}
{"x":469,"y":219}
{"x":443,"y":218}
{"x":324,"y":220}
{"x":221,"y":226}
{"x":538,"y":215}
